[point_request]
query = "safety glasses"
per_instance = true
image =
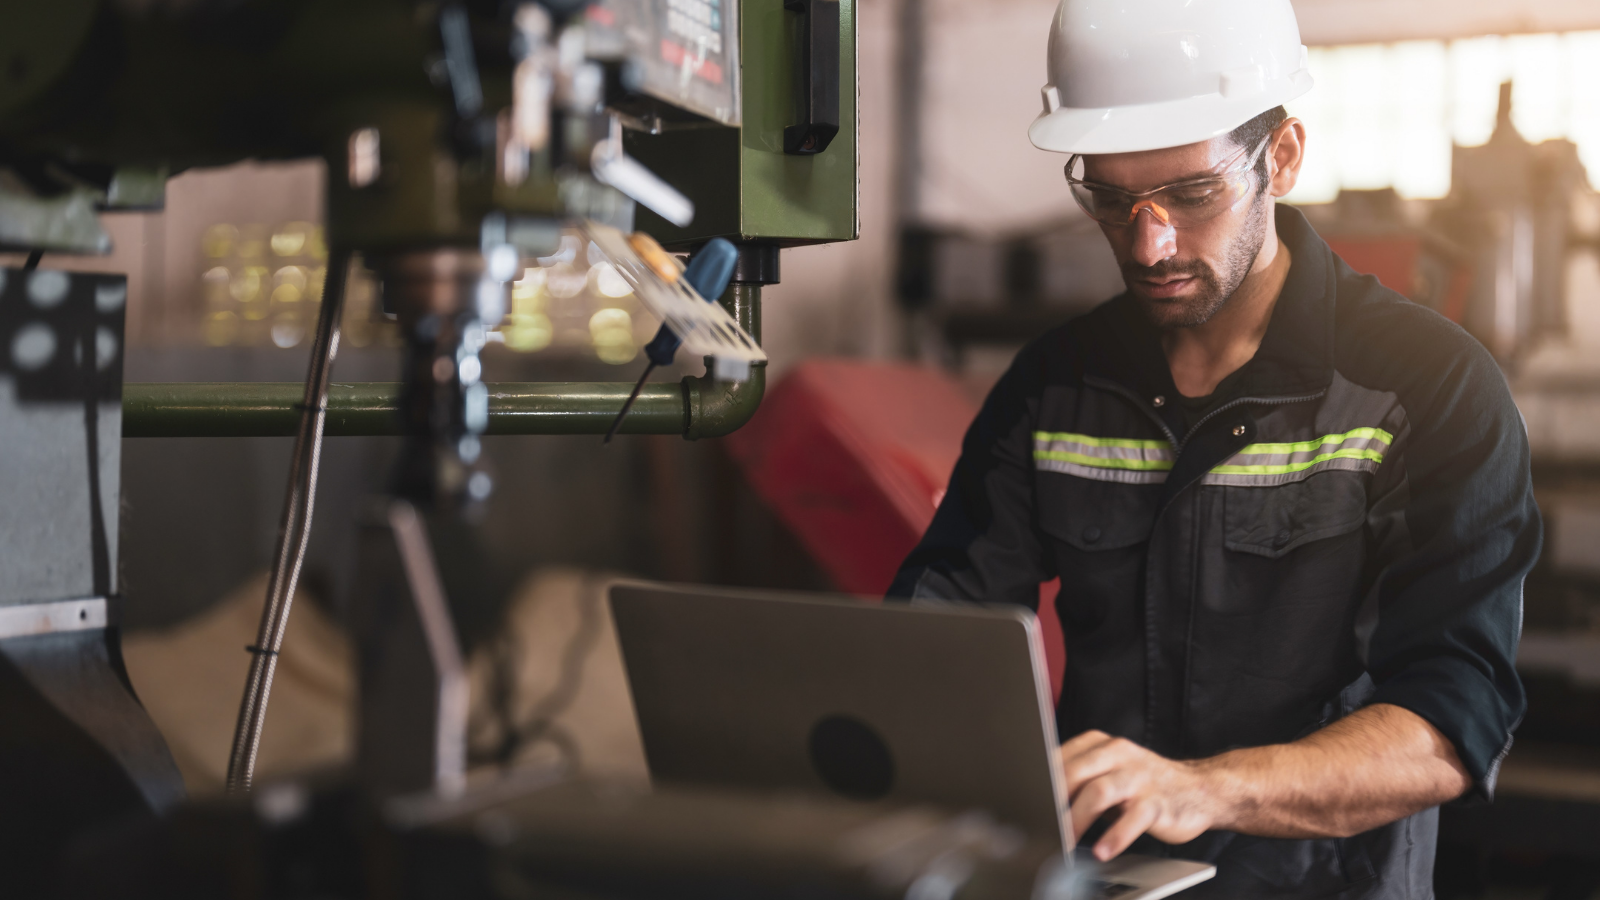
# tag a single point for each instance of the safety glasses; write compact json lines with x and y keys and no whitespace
{"x":1181,"y":205}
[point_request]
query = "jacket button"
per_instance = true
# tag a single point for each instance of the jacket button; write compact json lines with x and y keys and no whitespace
{"x":1238,"y":431}
{"x":1091,"y":535}
{"x":1158,"y":400}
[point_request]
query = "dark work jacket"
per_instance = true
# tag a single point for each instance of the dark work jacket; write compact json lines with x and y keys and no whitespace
{"x":1350,"y":525}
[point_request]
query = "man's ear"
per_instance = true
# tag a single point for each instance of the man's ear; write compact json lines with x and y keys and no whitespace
{"x":1286,"y":153}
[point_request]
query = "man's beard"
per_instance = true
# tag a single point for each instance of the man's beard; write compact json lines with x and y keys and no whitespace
{"x":1215,"y":288}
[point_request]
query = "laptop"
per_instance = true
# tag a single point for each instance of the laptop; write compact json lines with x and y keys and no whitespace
{"x":948,"y":705}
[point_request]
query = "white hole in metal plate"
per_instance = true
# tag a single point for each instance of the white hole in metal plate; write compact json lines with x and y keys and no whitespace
{"x":33,"y":347}
{"x":105,"y":348}
{"x":110,"y":296}
{"x":47,"y":288}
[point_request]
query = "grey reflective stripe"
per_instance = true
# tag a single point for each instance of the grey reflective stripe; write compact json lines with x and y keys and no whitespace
{"x":1097,"y":473}
{"x":1123,"y":460}
{"x":1137,"y":461}
{"x":1268,"y":465}
{"x":1278,"y":478}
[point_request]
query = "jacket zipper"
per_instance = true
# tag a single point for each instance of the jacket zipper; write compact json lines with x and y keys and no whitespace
{"x":1240,"y":401}
{"x":1138,"y":403}
{"x":1177,"y":445}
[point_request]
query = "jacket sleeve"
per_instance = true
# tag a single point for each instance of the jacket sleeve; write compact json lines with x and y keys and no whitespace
{"x":983,"y":545}
{"x":1457,"y":533}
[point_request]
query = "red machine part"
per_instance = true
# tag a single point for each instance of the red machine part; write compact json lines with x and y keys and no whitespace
{"x":854,"y":458}
{"x":1409,"y":264}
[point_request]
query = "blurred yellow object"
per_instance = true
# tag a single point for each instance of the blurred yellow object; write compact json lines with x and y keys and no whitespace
{"x":659,"y":260}
{"x":291,"y":238}
{"x":528,"y":332}
{"x":246,"y":284}
{"x":526,"y":291}
{"x":218,"y":240}
{"x":563,"y":281}
{"x":252,"y":242}
{"x":363,"y":323}
{"x":216,"y":283}
{"x":607,"y":282}
{"x":287,"y":330}
{"x":316,"y":247}
{"x":612,"y":332}
{"x":256,"y":273}
{"x":221,"y":328}
{"x":291,"y":275}
{"x":314,"y":280}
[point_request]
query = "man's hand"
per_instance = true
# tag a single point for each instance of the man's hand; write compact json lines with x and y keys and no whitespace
{"x":1374,"y":766}
{"x":1152,"y":794}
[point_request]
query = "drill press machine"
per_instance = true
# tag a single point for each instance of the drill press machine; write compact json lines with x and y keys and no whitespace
{"x":461,"y":138}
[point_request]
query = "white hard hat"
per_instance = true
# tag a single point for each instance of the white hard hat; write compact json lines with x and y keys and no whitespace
{"x":1128,"y":75}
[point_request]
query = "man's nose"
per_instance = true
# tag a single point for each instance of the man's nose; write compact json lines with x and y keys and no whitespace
{"x":1154,"y":238}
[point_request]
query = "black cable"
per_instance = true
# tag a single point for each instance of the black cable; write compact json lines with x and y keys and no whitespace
{"x":33,"y":260}
{"x":541,"y":724}
{"x":294,"y":532}
{"x":637,"y":387}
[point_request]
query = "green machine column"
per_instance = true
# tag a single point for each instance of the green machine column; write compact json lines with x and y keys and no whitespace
{"x":776,"y":197}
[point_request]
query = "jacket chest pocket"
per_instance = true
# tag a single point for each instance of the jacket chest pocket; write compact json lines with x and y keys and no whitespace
{"x":1293,"y":558}
{"x":1275,"y":521}
{"x":1099,"y":530}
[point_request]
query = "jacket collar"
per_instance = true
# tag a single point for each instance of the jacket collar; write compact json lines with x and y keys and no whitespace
{"x":1295,"y":357}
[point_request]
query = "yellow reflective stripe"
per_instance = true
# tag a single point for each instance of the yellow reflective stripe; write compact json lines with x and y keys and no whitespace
{"x":1124,"y":454}
{"x":1087,"y":441}
{"x":1372,"y":455}
{"x":1302,"y":446}
{"x":1157,"y":456}
{"x":1101,"y":462}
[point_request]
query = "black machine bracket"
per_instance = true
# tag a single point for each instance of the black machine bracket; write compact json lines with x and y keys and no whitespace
{"x":818,"y":71}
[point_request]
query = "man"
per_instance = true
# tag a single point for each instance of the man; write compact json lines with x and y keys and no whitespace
{"x":1290,"y":510}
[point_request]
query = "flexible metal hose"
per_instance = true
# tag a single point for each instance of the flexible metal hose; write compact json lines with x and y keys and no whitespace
{"x":294,"y":531}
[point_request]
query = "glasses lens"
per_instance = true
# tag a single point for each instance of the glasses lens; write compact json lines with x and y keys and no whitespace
{"x":1202,"y":201}
{"x":1107,"y":205}
{"x":1183,"y":205}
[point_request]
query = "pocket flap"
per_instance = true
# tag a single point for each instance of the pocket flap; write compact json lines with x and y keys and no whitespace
{"x":1272,"y":521}
{"x":1096,"y":515}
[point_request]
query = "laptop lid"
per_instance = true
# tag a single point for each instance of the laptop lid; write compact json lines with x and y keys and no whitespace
{"x":947,"y":705}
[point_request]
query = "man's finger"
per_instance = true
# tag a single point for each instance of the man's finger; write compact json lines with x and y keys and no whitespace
{"x":1080,"y":745}
{"x":1093,"y":800}
{"x":1083,"y":743}
{"x":1096,"y":761}
{"x":1136,"y":819}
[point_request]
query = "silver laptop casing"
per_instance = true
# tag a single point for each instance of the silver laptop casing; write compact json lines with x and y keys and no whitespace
{"x":729,"y":686}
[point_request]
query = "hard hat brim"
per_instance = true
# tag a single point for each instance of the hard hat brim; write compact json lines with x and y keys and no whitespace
{"x":1156,"y":126}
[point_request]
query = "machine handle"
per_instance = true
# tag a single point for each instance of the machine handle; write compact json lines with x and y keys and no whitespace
{"x":710,"y":269}
{"x":819,"y":77}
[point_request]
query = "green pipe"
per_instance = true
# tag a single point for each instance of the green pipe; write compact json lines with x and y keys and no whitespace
{"x":695,"y":407}
{"x":717,"y":408}
{"x":269,"y":409}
